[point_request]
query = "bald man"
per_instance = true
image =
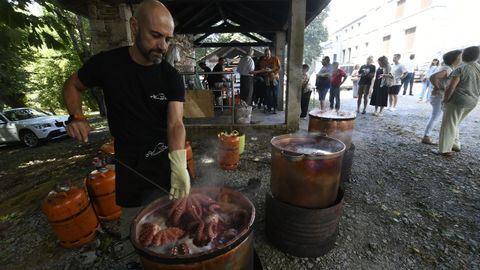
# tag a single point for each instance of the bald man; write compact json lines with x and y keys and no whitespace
{"x":144,"y":97}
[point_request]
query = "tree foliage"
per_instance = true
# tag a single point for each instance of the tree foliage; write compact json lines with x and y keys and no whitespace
{"x":315,"y":33}
{"x":38,"y":53}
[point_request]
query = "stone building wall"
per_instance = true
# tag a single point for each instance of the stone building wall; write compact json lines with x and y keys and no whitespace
{"x":110,"y":26}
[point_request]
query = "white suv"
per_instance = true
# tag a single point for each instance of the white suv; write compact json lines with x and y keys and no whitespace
{"x":30,"y":126}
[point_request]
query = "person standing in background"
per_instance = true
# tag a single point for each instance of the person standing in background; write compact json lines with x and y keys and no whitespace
{"x":218,"y":79}
{"x":306,"y":91}
{"x":338,"y":78}
{"x":246,"y":66}
{"x":270,"y":66}
{"x":367,"y":76}
{"x":440,"y":80}
{"x":410,"y":66}
{"x":355,"y":77}
{"x":461,"y":97}
{"x":383,"y":80}
{"x":322,"y":82}
{"x":399,"y":72}
{"x":426,"y":87}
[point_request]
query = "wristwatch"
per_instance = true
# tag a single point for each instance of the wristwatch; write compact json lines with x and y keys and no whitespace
{"x":76,"y":117}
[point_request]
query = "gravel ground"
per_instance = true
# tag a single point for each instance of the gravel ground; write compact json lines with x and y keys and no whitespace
{"x":405,"y":208}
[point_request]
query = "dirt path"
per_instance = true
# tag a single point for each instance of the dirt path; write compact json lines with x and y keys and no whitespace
{"x":405,"y":208}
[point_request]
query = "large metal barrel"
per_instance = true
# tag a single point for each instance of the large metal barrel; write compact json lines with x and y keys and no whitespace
{"x":234,"y":254}
{"x":306,"y":169}
{"x":347,"y":164}
{"x":71,"y":216}
{"x":300,"y":231}
{"x":337,"y":125}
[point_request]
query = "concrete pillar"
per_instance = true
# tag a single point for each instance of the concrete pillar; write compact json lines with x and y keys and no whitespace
{"x":295,"y":60}
{"x":280,"y":43}
{"x":110,"y":26}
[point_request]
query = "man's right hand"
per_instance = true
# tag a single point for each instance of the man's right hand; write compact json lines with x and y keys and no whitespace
{"x":79,"y":130}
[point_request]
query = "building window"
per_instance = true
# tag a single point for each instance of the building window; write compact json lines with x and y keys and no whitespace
{"x":356,"y":48}
{"x":386,"y":45}
{"x":400,"y":8}
{"x":334,"y":57}
{"x":349,"y":55}
{"x":343,"y":56}
{"x":351,"y":27}
{"x":366,"y":44}
{"x":410,"y":38}
{"x":359,"y":24}
{"x":425,"y":3}
{"x":336,"y":38}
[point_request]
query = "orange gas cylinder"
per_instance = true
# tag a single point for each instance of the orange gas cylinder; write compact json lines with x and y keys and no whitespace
{"x":190,"y":164}
{"x":228,"y":150}
{"x":71,"y":216}
{"x":100,"y":184}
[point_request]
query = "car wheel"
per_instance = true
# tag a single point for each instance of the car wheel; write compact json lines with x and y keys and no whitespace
{"x":30,"y":139}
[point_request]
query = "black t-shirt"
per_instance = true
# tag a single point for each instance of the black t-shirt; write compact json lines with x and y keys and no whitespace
{"x":136,"y":96}
{"x":137,"y":105}
{"x":366,"y":73}
{"x":215,"y":78}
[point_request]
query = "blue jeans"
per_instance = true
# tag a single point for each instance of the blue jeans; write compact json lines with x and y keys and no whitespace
{"x":408,"y":80}
{"x":436,"y":102}
{"x":335,"y":96}
{"x":426,"y":90}
{"x":272,"y":93}
{"x":322,"y":91}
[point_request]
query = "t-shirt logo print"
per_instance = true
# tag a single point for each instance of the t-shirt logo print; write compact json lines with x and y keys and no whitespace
{"x":159,"y":148}
{"x":159,"y":96}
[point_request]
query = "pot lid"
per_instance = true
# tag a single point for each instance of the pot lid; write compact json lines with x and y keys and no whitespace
{"x":333,"y":115}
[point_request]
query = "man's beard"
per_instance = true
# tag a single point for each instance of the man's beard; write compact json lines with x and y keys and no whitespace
{"x":147,"y":54}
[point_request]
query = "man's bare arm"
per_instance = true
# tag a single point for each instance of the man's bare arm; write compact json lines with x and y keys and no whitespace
{"x":79,"y":127}
{"x":175,"y":127}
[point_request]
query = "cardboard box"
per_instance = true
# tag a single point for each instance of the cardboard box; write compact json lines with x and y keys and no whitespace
{"x":198,"y":103}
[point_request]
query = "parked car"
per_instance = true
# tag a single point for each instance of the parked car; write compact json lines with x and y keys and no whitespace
{"x":30,"y":126}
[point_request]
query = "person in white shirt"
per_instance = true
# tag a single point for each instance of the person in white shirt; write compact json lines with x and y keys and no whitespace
{"x":408,"y":80}
{"x":399,"y":72}
{"x":246,"y":66}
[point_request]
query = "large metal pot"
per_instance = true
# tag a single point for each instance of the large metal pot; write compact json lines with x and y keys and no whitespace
{"x":338,"y":125}
{"x":305,"y":169}
{"x":235,"y":254}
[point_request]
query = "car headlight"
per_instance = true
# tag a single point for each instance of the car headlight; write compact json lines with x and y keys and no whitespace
{"x":40,"y":126}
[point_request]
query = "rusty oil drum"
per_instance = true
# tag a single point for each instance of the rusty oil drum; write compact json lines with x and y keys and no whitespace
{"x":302,"y":232}
{"x":190,"y":164}
{"x":336,"y":125}
{"x":228,"y":151}
{"x":306,"y":169}
{"x":237,"y":254}
{"x":71,"y":216}
{"x":100,"y":185}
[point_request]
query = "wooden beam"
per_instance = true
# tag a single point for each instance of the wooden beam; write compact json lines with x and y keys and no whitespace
{"x":233,"y":44}
{"x":228,"y":29}
{"x":252,"y":37}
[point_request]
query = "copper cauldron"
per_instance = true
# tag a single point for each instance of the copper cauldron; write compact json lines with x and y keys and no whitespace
{"x":234,"y":252}
{"x":337,"y":125}
{"x":305,"y":169}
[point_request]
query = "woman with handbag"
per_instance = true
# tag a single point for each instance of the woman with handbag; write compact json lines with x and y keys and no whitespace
{"x":383,"y":81}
